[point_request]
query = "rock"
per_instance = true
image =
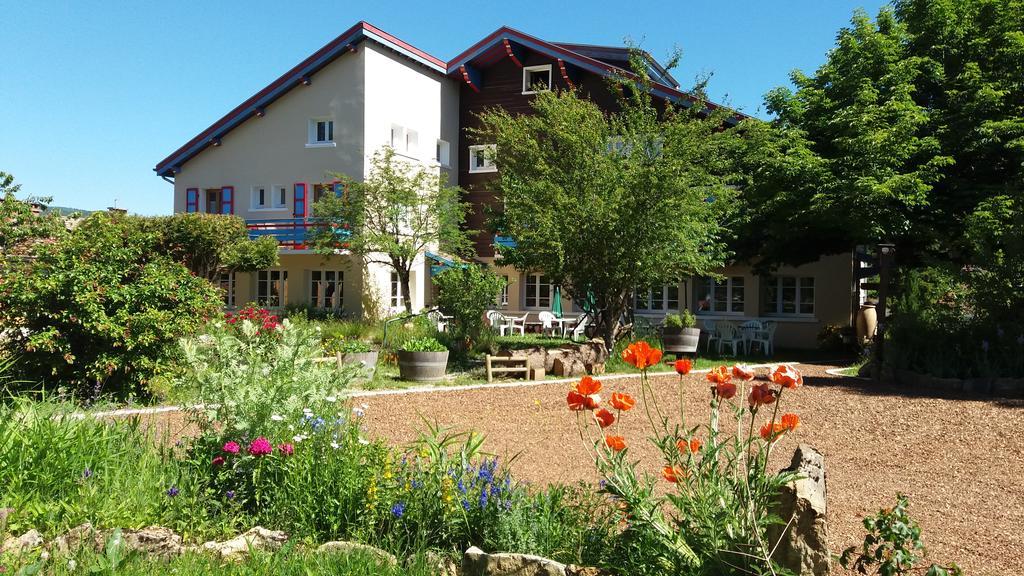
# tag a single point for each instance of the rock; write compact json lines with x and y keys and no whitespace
{"x":475,"y":562}
{"x":80,"y":537}
{"x":17,"y":544}
{"x":574,"y":570}
{"x":257,"y":538}
{"x":438,"y":564}
{"x":345,"y":547}
{"x":154,"y":540}
{"x":803,"y":544}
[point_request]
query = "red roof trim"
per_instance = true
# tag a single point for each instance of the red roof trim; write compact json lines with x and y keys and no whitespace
{"x":403,"y":44}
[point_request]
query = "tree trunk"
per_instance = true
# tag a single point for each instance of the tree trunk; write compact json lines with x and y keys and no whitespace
{"x":609,"y":320}
{"x":403,"y":278}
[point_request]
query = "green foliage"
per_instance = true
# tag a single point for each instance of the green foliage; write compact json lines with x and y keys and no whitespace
{"x":21,"y":231}
{"x":346,"y":345}
{"x":427,"y":344}
{"x":892,"y":546}
{"x":397,"y":212}
{"x":603,"y":202}
{"x":465,"y":293}
{"x":101,"y":309}
{"x":208,"y":244}
{"x":686,"y":319}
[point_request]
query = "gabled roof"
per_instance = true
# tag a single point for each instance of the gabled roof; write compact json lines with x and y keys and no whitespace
{"x":296,"y":76}
{"x":619,"y":56}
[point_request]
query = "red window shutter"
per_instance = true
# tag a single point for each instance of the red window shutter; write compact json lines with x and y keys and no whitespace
{"x":299,"y":200}
{"x":227,"y":200}
{"x":192,"y":200}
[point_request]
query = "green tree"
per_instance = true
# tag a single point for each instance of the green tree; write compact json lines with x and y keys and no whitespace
{"x":208,"y":244}
{"x":465,"y":293}
{"x":602,"y":202}
{"x":397,"y":212}
{"x":21,"y":229}
{"x":100,"y":310}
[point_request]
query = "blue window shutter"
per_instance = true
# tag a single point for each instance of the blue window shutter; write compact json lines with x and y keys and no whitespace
{"x":339,"y":189}
{"x":192,"y":200}
{"x":299,"y":200}
{"x":227,"y":200}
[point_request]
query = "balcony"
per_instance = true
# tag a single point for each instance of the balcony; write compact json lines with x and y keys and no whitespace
{"x":291,"y":233}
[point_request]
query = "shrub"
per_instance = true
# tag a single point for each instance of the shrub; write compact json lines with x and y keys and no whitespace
{"x":100,"y":311}
{"x":466,"y":293}
{"x":714,"y":519}
{"x":686,"y":319}
{"x":428,"y":344}
{"x":346,"y":345}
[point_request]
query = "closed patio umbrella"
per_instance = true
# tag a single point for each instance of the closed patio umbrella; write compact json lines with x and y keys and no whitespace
{"x":556,"y":302}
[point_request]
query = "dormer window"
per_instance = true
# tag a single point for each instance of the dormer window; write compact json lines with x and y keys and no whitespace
{"x":536,"y":79}
{"x":321,"y":132}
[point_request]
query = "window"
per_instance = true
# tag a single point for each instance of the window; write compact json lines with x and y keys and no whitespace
{"x":397,"y":137}
{"x":404,"y":140}
{"x":321,"y":132}
{"x":538,"y":291}
{"x":260,"y":197}
{"x":396,"y":291}
{"x":271,"y":288}
{"x":658,"y":298}
{"x":724,"y":296}
{"x":281,"y":197}
{"x":481,"y":158}
{"x":213,"y":201}
{"x":789,"y":295}
{"x":443,"y":154}
{"x":327,"y":289}
{"x":503,"y":296}
{"x":226,"y":283}
{"x":536,"y":79}
{"x":412,"y":142}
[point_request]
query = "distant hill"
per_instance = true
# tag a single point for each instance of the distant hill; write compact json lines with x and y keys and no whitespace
{"x":65,"y":211}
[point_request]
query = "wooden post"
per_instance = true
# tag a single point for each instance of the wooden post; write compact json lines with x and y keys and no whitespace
{"x":886,"y":257}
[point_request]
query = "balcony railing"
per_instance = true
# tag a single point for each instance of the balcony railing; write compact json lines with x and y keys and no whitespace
{"x":293,"y":233}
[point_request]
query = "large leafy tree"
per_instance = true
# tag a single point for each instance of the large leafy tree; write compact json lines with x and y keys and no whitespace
{"x":208,"y":244}
{"x":603,"y":202}
{"x":22,"y":230}
{"x":401,"y":209}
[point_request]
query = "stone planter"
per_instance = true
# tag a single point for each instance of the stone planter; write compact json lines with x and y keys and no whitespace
{"x":367,"y":359}
{"x":867,"y":322}
{"x":422,"y":366}
{"x":680,"y":340}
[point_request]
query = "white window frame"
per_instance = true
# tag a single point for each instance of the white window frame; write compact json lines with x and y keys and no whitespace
{"x":397,"y":138}
{"x":255,"y":198}
{"x":226,"y":282}
{"x":800,"y":285}
{"x":503,"y":294}
{"x":656,"y":294}
{"x":488,"y":150}
{"x":534,"y":282}
{"x":395,"y":293}
{"x":319,"y":275}
{"x":703,"y":283}
{"x":527,"y":87}
{"x":313,"y":141}
{"x":275,"y":195}
{"x":443,"y":153}
{"x":266,"y":278}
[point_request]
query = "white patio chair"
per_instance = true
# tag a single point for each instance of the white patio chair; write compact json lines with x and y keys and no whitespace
{"x":498,"y":321}
{"x":547,"y":323}
{"x":765,"y":337}
{"x":749,"y":331}
{"x":729,"y":334}
{"x":711,"y":329}
{"x":439,"y":320}
{"x":517,"y":324}
{"x":580,"y":329}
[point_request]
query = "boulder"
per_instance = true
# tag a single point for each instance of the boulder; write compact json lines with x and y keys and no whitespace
{"x":438,"y":564}
{"x":257,"y":538}
{"x":803,"y":543}
{"x":18,"y":544}
{"x":83,"y":536}
{"x":153,"y":540}
{"x":475,"y":562}
{"x":346,"y":547}
{"x":574,"y":570}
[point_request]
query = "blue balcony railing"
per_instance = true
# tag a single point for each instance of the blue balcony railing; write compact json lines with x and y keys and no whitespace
{"x":294,"y":233}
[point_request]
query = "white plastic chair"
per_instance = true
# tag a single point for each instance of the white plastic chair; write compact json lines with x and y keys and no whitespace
{"x":547,"y":323}
{"x":765,"y":337}
{"x":439,"y":319}
{"x":580,"y":329}
{"x":749,"y":331}
{"x":730,"y":335}
{"x":498,"y":321}
{"x":711,"y":329}
{"x":517,"y":324}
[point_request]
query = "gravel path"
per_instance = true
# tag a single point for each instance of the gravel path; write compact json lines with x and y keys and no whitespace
{"x":960,"y":461}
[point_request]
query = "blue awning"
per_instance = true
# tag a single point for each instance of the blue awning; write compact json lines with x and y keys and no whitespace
{"x":441,"y":263}
{"x":505,"y":241}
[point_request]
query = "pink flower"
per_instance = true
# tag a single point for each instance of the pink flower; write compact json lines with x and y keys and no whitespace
{"x":260,"y":447}
{"x":232,"y":448}
{"x":218,"y":461}
{"x":286,"y":449}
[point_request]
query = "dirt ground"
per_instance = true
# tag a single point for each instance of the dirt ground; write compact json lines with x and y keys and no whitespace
{"x":961,"y":461}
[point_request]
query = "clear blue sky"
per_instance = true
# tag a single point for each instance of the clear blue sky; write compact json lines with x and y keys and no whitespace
{"x":93,"y":94}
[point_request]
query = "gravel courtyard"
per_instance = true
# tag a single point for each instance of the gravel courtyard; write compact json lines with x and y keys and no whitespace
{"x":960,"y":461}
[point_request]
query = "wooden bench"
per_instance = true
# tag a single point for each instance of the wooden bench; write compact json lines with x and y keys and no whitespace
{"x":506,"y":365}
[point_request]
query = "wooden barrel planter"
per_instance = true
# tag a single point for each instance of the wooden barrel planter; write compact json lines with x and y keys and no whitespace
{"x":367,"y":359}
{"x":680,"y":340}
{"x":422,"y":366}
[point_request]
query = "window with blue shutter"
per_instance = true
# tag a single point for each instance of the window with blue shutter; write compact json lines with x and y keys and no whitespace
{"x":192,"y":200}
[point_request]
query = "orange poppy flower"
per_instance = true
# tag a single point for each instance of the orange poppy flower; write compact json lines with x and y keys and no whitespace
{"x":719,"y":375}
{"x":576,"y":401}
{"x":683,"y":366}
{"x":770,"y":431}
{"x":673,"y":474}
{"x":604,"y":418}
{"x":588,"y":386}
{"x":641,"y":355}
{"x":693,"y":445}
{"x":790,"y":421}
{"x":622,"y":401}
{"x":761,"y":395}
{"x":592,"y":402}
{"x":742,"y":372}
{"x":787,"y":376}
{"x":616,"y":443}
{"x":725,"y":390}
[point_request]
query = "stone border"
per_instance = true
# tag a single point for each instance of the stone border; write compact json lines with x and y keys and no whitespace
{"x":982,"y":387}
